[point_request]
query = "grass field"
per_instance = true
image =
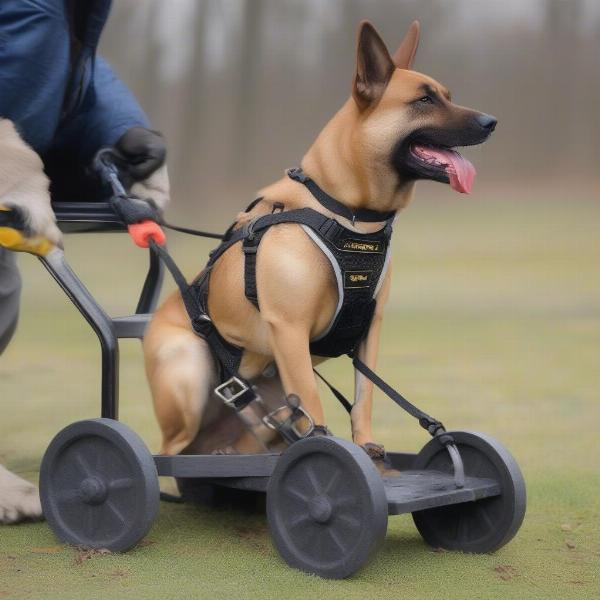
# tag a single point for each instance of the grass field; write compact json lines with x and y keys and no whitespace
{"x":493,"y":325}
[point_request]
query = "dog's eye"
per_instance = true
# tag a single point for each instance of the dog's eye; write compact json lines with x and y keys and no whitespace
{"x":425,"y":100}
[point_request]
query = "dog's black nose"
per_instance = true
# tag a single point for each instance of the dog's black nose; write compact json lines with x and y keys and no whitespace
{"x":486,"y":121}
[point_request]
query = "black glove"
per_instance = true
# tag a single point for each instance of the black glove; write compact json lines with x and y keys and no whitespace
{"x":141,"y":152}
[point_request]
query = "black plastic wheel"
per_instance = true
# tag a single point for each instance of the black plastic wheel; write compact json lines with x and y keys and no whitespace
{"x":326,"y":507}
{"x":99,"y":486}
{"x":484,"y":525}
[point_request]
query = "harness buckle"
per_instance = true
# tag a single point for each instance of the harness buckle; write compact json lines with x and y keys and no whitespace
{"x":235,"y":393}
{"x":248,"y":230}
{"x":297,"y":425}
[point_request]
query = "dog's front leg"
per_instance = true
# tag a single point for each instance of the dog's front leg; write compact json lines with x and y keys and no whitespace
{"x":290,"y":345}
{"x":362,"y":412}
{"x":295,"y":289}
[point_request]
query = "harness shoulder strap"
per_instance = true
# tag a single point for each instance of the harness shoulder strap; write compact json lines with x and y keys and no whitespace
{"x":252,"y":234}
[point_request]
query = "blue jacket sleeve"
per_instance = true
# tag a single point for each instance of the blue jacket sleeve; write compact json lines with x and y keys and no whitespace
{"x":108,"y":110}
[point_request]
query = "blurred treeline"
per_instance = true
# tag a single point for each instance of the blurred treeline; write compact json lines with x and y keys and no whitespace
{"x":242,"y":87}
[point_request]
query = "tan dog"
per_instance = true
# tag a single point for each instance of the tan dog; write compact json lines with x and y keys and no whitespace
{"x":398,"y":126}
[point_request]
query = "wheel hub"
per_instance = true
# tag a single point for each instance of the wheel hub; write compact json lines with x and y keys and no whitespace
{"x":93,"y":490}
{"x":320,"y":509}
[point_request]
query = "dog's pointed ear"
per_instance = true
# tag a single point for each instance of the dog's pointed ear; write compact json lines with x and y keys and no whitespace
{"x":404,"y":56}
{"x":374,"y":67}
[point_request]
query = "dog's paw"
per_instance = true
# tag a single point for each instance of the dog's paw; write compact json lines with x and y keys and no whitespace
{"x":19,"y":499}
{"x":24,"y":186}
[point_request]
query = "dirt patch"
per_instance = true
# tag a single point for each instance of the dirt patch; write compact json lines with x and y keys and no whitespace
{"x":506,"y":572}
{"x":84,"y":554}
{"x":250,"y":533}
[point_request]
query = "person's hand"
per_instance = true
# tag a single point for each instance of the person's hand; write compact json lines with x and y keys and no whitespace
{"x":142,"y":167}
{"x":27,"y":222}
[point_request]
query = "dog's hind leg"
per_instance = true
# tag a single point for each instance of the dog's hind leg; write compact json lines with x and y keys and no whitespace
{"x":182,"y":375}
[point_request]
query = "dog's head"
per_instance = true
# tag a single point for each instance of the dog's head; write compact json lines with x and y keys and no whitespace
{"x":408,"y":119}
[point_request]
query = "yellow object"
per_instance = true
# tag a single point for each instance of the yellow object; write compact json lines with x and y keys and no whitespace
{"x":13,"y":239}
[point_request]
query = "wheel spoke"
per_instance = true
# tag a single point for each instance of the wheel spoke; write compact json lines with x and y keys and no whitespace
{"x":336,"y":540}
{"x":68,"y":495}
{"x":299,"y":520}
{"x":124,"y":483}
{"x":313,"y":479}
{"x":345,"y":502}
{"x":82,"y":464}
{"x":332,"y":482}
{"x":294,"y":492}
{"x":349,"y":519}
{"x":116,"y":512}
{"x":98,"y":462}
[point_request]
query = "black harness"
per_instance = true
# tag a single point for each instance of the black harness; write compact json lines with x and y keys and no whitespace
{"x":358,"y":261}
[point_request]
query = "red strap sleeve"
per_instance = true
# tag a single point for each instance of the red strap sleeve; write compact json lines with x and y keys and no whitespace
{"x":142,"y":233}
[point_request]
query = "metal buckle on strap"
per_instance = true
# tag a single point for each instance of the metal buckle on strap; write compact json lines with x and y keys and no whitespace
{"x":235,"y":393}
{"x":289,"y":427}
{"x":248,"y":229}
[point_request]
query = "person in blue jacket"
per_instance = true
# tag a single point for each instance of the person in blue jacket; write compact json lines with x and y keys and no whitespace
{"x":59,"y":104}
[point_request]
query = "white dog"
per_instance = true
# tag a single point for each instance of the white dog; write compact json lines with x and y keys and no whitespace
{"x":24,"y":185}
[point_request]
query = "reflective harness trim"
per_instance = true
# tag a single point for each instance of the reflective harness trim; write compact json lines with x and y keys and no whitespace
{"x":339,"y":278}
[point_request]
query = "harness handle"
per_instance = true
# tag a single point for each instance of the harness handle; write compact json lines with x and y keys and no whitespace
{"x":142,"y":220}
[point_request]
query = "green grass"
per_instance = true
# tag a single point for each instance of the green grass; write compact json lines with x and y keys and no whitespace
{"x":493,"y":325}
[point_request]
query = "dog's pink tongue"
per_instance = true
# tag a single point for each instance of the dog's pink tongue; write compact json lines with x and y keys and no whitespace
{"x":461,"y":171}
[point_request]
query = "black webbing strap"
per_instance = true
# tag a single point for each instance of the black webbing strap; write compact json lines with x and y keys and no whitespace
{"x":253,"y":231}
{"x":304,"y":216}
{"x":199,"y":233}
{"x":228,"y":355}
{"x":335,"y":206}
{"x":194,"y":310}
{"x":250,"y":248}
{"x":433,"y":426}
{"x":341,"y":398}
{"x":209,"y":234}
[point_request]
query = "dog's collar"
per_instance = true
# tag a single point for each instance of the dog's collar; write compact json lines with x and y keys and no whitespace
{"x":360,"y":214}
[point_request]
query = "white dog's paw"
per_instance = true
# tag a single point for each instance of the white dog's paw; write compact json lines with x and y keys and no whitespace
{"x":19,"y":499}
{"x":24,"y":185}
